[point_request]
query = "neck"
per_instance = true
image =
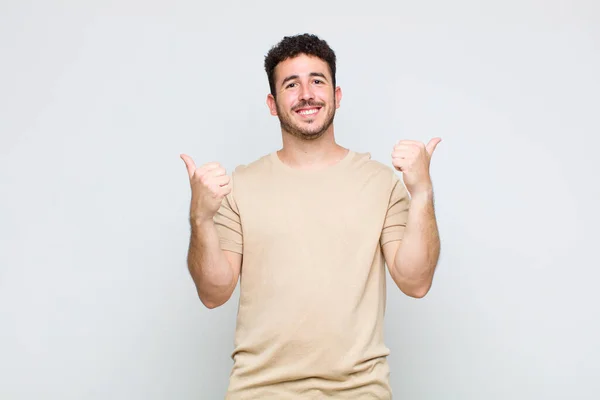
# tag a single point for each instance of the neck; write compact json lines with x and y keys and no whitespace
{"x":318,"y":153}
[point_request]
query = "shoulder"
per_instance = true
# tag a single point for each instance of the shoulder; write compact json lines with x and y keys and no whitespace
{"x":254,"y":170}
{"x":364,"y":164}
{"x":245,"y":177}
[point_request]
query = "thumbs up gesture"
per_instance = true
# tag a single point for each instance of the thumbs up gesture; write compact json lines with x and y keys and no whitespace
{"x":210,"y":184}
{"x":412,"y":158}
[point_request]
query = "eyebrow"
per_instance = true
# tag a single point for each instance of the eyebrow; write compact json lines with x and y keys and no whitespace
{"x":291,"y":77}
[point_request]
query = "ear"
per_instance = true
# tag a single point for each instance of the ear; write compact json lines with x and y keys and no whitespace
{"x":271,"y":104}
{"x":338,"y":96}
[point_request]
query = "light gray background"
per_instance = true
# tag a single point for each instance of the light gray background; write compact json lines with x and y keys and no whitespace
{"x":97,"y":101}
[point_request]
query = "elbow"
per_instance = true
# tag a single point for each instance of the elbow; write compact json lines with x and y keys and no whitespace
{"x":211,"y":303}
{"x":414,"y":286}
{"x":414,"y":289}
{"x":418,"y":292}
{"x":212,"y":295}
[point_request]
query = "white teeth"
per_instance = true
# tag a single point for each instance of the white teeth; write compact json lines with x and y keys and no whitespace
{"x":308,"y":112}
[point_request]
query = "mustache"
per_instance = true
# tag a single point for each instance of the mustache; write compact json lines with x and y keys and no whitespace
{"x":309,"y":103}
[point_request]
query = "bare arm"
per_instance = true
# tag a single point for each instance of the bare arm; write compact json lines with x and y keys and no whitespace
{"x":412,"y":261}
{"x":215,"y":272}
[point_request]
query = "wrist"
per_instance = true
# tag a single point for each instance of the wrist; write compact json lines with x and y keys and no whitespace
{"x":199,"y":221}
{"x":425,"y":192}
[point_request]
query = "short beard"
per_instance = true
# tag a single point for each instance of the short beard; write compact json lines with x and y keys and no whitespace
{"x":288,"y":126}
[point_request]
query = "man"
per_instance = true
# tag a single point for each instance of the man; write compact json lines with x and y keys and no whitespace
{"x":309,"y":229}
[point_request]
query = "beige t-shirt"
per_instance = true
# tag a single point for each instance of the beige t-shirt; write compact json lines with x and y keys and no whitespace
{"x":313,"y":280}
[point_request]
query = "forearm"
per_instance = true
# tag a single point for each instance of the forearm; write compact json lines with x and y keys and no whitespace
{"x":417,"y":256}
{"x":208,"y":266}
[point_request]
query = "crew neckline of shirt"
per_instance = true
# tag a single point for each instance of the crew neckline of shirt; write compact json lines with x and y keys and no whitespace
{"x":281,"y":165}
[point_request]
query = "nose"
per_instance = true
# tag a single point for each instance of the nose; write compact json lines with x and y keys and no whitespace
{"x":306,"y":92}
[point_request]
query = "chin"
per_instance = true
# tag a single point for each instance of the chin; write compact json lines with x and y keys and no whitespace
{"x":298,"y":128}
{"x":316,"y":131}
{"x":312,"y":136}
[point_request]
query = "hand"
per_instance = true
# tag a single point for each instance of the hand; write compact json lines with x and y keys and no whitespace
{"x":210,"y":184}
{"x":412,"y":159}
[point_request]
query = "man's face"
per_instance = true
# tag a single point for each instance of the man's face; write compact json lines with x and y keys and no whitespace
{"x":306,"y":99}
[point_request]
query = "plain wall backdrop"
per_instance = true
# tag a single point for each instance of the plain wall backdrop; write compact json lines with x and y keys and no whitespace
{"x":97,"y":101}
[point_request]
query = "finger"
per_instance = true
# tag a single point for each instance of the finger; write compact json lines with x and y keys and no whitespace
{"x":221,"y":180}
{"x":215,"y":183}
{"x":409,"y":143}
{"x":413,"y":148}
{"x":404,"y":153}
{"x":207,"y":167}
{"x":399,"y":162}
{"x":406,"y":141}
{"x":189,"y":163}
{"x":221,"y":191}
{"x":225,"y":190}
{"x":214,"y":173}
{"x":407,"y":149}
{"x":432,"y":145}
{"x":211,"y":165}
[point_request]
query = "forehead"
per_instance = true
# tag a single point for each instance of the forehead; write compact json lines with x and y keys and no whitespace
{"x":301,"y":65}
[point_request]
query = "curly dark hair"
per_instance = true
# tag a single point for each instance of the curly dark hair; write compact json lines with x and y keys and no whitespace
{"x":292,"y":46}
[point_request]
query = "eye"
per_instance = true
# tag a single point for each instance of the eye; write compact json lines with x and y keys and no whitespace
{"x":290,"y":85}
{"x":318,"y":81}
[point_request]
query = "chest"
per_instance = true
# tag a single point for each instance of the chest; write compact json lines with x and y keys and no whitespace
{"x":314,"y":213}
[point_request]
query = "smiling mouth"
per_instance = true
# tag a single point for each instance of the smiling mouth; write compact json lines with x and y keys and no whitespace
{"x":307,"y":112}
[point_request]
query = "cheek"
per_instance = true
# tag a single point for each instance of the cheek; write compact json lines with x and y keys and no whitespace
{"x":287,"y":102}
{"x":327,"y":96}
{"x":280,"y":104}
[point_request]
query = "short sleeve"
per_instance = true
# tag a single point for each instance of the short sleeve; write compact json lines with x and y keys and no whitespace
{"x":397,"y":212}
{"x":228,"y":223}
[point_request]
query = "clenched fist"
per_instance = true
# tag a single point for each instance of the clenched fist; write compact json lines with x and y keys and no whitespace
{"x":210,"y":184}
{"x":412,"y":159}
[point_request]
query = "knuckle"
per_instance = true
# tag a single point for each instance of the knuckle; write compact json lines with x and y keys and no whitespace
{"x":204,"y":180}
